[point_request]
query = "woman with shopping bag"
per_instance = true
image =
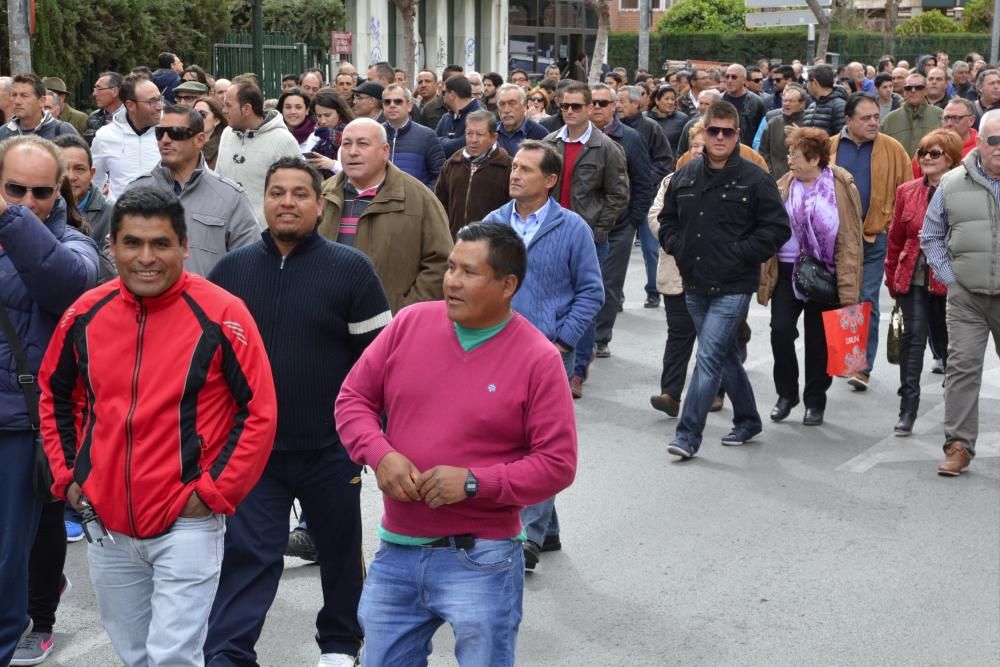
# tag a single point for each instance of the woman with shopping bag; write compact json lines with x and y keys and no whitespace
{"x":910,"y":280}
{"x":824,"y":208}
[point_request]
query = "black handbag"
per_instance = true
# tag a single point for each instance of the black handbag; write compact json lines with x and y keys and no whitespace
{"x":813,"y":280}
{"x":41,"y":474}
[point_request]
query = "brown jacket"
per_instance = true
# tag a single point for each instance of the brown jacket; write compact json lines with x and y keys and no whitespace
{"x":890,"y":169}
{"x":404,"y":231}
{"x":848,"y":253}
{"x":465,"y":203}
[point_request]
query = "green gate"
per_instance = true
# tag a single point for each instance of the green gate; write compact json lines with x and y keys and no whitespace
{"x":282,"y":55}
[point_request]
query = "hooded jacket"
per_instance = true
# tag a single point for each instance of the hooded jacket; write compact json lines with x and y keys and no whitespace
{"x":246,"y":155}
{"x":48,"y":128}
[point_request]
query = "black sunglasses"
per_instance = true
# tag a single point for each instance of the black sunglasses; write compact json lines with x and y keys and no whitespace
{"x":994,"y":140}
{"x":536,"y":99}
{"x":602,"y":103}
{"x":910,"y":89}
{"x":575,"y":106}
{"x":727,"y":132}
{"x":394,"y":101}
{"x":16,"y":190}
{"x":935,"y":153}
{"x":175,"y":133}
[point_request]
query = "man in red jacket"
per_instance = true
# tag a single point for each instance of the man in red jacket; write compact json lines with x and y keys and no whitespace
{"x":158,"y":411}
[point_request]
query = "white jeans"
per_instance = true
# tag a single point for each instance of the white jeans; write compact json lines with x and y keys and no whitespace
{"x":155,"y":595}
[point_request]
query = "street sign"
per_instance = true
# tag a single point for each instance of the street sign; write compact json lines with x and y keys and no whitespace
{"x":785,"y":4}
{"x":340,"y":43}
{"x":784,"y":18}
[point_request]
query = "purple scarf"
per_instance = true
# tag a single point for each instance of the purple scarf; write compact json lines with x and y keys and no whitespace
{"x":814,"y":218}
{"x":302,"y":132}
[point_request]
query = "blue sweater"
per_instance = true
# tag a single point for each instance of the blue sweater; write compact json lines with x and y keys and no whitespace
{"x":416,"y":150}
{"x":562,"y":289}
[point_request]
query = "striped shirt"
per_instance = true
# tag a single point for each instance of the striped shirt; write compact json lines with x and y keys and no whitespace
{"x":355,"y":205}
{"x":935,"y":228}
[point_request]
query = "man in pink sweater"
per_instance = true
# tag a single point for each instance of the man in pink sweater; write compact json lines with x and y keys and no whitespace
{"x":480,"y":424}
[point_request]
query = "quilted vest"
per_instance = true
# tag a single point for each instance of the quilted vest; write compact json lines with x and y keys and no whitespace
{"x":973,"y":237}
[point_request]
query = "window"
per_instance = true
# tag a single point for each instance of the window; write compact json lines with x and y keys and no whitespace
{"x":633,"y":5}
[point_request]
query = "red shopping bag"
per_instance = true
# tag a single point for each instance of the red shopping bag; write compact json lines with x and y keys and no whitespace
{"x":847,"y":339}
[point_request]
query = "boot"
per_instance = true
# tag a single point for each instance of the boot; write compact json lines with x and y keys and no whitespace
{"x":904,"y":426}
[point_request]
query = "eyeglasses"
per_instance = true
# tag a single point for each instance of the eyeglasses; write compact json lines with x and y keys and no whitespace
{"x":394,"y":102}
{"x":602,"y":103}
{"x":777,"y":79}
{"x":575,"y":106}
{"x":361,"y":96}
{"x":185,"y":98}
{"x":727,"y":132}
{"x":994,"y":140}
{"x":955,"y":119}
{"x":761,"y":80}
{"x":175,"y":133}
{"x":17,"y":191}
{"x":910,"y":89}
{"x":105,"y":87}
{"x":933,"y":153}
{"x":152,"y":101}
{"x":536,"y":99}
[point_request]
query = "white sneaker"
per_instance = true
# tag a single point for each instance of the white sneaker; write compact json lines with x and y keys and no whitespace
{"x":336,"y":660}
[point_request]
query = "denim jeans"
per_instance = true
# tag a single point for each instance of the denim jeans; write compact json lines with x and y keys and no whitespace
{"x":154,"y":595}
{"x":19,"y":512}
{"x":716,"y":319}
{"x":871,"y":285}
{"x":585,"y":346}
{"x":650,"y":257}
{"x":411,"y":591}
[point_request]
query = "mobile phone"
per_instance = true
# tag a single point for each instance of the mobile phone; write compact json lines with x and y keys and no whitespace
{"x":309,"y":155}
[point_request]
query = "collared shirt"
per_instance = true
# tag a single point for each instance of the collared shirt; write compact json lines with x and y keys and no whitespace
{"x":584,"y":138}
{"x":355,"y":205}
{"x":527,"y":228}
{"x":932,"y":235}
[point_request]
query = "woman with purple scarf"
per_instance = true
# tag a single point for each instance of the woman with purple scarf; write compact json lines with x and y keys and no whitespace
{"x":332,"y":116}
{"x":824,"y":208}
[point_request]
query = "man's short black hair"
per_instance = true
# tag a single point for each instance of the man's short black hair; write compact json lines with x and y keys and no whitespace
{"x":147,"y":201}
{"x":616,"y":76}
{"x":74,"y":141}
{"x":722,"y":110}
{"x":460,"y":86}
{"x":506,"y":253}
{"x":34,"y":81}
{"x":194,"y":119}
{"x":786,"y":71}
{"x":290,"y":77}
{"x":494,"y":78}
{"x":299,"y":164}
{"x":577,"y":88}
{"x":247,"y":92}
{"x":823,"y":75}
{"x":165,"y":60}
{"x":855,"y":99}
{"x":451,"y":70}
{"x":881,"y":78}
{"x":518,"y":71}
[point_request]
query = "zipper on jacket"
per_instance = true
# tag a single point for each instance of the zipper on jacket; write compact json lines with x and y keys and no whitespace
{"x":140,"y":318}
{"x":277,"y":308}
{"x":468,"y":190}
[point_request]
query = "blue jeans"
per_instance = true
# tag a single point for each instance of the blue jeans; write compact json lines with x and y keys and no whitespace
{"x":19,"y":512}
{"x":716,"y":319}
{"x":585,"y":346}
{"x":650,"y":257}
{"x":411,"y":591}
{"x":871,"y":285}
{"x":155,"y":594}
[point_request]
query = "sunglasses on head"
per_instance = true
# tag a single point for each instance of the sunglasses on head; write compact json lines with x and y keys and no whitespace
{"x":602,"y":103}
{"x":933,"y":153}
{"x":912,"y":88}
{"x":16,"y":190}
{"x":175,"y":133}
{"x":727,"y":132}
{"x":575,"y":106}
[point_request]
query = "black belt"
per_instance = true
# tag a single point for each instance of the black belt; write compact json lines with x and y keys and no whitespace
{"x":460,"y":542}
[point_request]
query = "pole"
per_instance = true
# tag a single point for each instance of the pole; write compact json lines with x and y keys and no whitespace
{"x":258,"y":44}
{"x":995,"y":33}
{"x":644,"y":34}
{"x":20,"y":42}
{"x":811,"y":43}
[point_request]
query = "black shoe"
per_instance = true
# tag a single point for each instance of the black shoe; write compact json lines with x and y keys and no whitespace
{"x":602,"y":351}
{"x":666,"y":403}
{"x":904,"y":426}
{"x":782,"y":408}
{"x":813,"y":417}
{"x":301,"y":545}
{"x":652,"y":301}
{"x":551,"y":543}
{"x":531,"y":552}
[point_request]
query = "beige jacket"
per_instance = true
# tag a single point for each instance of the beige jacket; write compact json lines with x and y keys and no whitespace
{"x":848,"y":254}
{"x":668,"y":277}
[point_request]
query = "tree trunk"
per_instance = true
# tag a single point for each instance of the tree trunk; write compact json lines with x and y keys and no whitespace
{"x":601,"y":45}
{"x":20,"y":40}
{"x":891,"y":15}
{"x":824,"y":22}
{"x":408,"y":10}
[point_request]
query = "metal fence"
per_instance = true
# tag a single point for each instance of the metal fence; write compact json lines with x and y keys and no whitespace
{"x":282,"y":55}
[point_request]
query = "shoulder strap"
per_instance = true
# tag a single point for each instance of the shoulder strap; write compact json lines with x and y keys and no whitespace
{"x":25,"y":378}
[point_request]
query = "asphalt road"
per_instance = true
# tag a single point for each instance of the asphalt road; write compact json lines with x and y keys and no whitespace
{"x":836,"y":545}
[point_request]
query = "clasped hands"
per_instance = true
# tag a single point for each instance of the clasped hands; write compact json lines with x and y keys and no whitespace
{"x":398,"y":478}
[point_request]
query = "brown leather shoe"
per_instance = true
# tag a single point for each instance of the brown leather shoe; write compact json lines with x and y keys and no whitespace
{"x":956,"y":460}
{"x":576,"y":387}
{"x":717,"y":404}
{"x":665,"y":403}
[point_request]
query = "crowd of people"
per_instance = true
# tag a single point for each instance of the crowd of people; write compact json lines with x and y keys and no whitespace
{"x":218,"y":305}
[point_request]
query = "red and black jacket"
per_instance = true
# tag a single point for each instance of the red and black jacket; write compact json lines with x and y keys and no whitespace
{"x":146,"y":400}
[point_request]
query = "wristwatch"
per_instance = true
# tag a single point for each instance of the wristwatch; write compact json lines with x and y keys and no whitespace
{"x":471,"y":486}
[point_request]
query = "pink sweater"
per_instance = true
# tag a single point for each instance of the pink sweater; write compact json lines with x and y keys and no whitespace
{"x":503,"y":410}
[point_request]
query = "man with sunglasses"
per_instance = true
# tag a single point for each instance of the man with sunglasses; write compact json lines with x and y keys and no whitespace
{"x":217,"y":211}
{"x":912,"y":121}
{"x":749,"y":106}
{"x":28,"y":95}
{"x":722,"y":216}
{"x":413,"y":148}
{"x":959,"y":241}
{"x":125,"y":149}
